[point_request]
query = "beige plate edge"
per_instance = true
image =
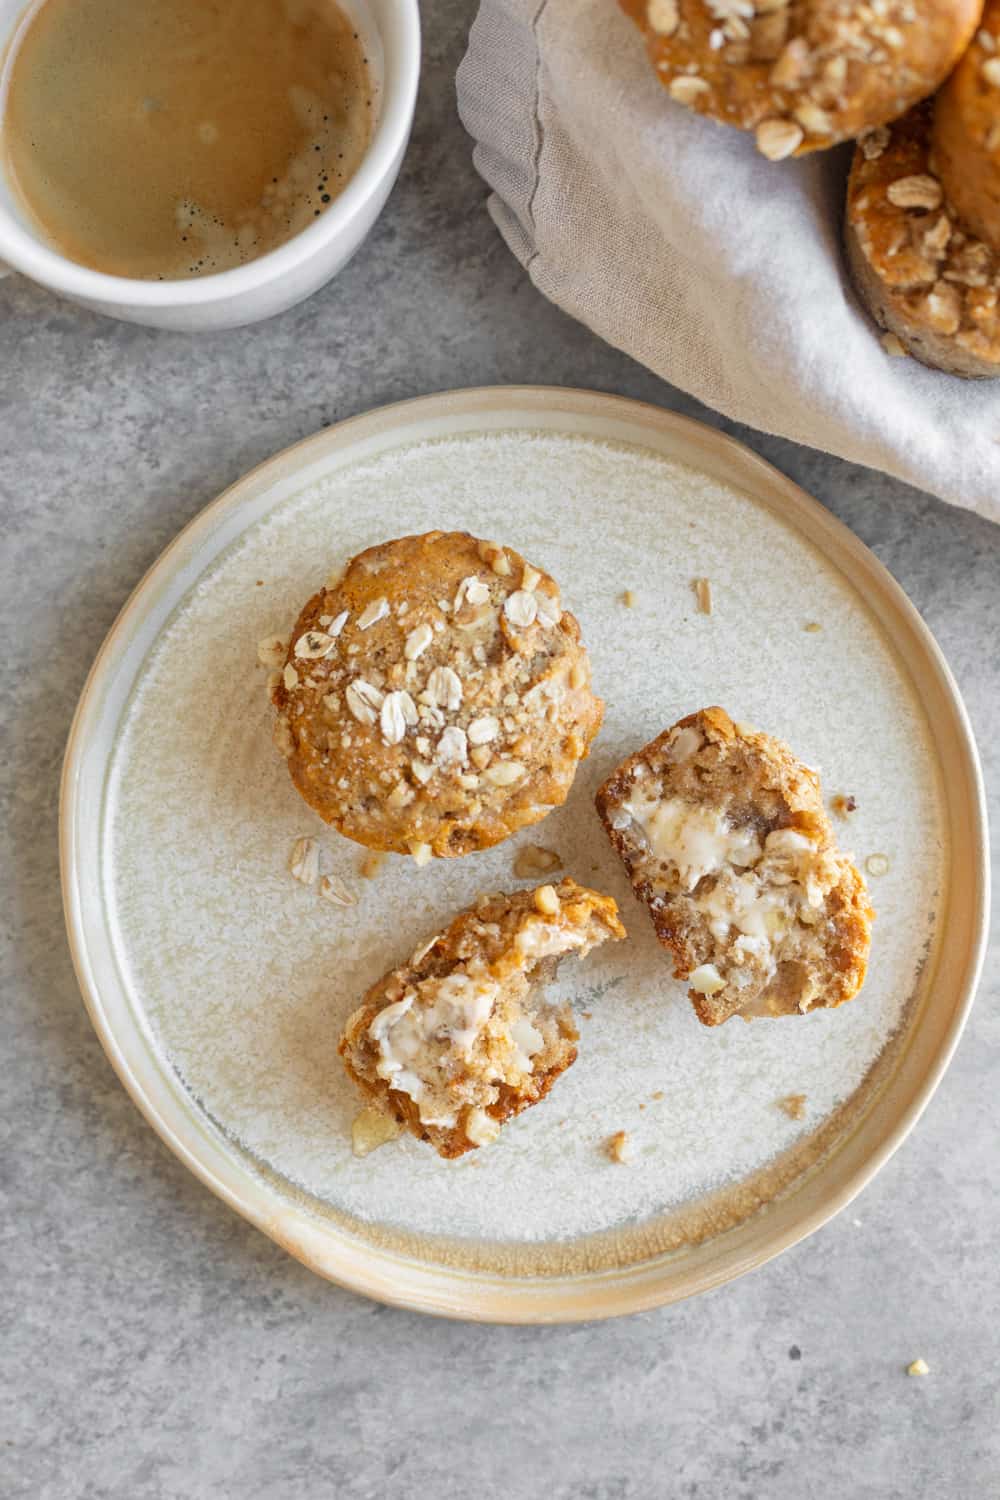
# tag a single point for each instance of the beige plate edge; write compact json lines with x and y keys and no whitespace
{"x":449,"y":1292}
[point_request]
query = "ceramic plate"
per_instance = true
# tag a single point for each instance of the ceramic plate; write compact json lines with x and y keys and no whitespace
{"x":218,"y":983}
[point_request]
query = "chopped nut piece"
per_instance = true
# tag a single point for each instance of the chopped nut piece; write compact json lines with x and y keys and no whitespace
{"x":371,"y":864}
{"x":577,"y":676}
{"x":530,"y":578}
{"x":814,"y":119}
{"x":333,"y":889}
{"x":793,"y":1105}
{"x":271,"y":651}
{"x":303,"y":862}
{"x":892,"y":346}
{"x":791,"y":65}
{"x":628,"y":599}
{"x":686,"y":88}
{"x":484,"y":729}
{"x":290,"y":677}
{"x":843,"y":806}
{"x":706,"y":980}
{"x":533,"y":860}
{"x":777,"y":139}
{"x":494,"y":554}
{"x":703,"y":593}
{"x":918,"y":1367}
{"x":504,"y":772}
{"x":422,"y":853}
{"x":877,"y":864}
{"x":663,"y":16}
{"x":372,"y":1129}
{"x":619,"y":1147}
{"x":812,"y":626}
{"x":400,"y":796}
{"x":873,"y":142}
{"x":546,"y":901}
{"x":481,"y":1128}
{"x":991,"y":71}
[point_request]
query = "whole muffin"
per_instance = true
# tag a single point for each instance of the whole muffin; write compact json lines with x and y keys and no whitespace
{"x":436,"y":698}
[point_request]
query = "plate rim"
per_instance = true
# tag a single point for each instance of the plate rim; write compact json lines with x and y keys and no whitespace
{"x":386,"y":1275}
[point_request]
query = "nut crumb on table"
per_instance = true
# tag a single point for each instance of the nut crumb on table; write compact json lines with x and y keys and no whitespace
{"x":843,"y":806}
{"x":619,"y":1147}
{"x":793,"y":1105}
{"x":918,"y":1367}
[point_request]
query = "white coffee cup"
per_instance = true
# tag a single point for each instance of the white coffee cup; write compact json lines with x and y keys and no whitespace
{"x":276,"y":281}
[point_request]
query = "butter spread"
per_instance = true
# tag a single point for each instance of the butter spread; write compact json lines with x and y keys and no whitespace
{"x":420,"y":1039}
{"x":538,"y":939}
{"x":427,"y":1040}
{"x":697,"y":840}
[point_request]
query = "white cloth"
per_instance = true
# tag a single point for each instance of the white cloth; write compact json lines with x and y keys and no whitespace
{"x":677,"y":242}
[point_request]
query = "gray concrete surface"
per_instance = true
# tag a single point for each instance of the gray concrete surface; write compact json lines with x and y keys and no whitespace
{"x":155,"y":1347}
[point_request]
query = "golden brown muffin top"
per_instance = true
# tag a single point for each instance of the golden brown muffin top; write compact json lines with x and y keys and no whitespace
{"x":436,"y":697}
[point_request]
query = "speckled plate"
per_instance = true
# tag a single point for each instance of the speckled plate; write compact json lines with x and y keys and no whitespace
{"x":218,"y":984}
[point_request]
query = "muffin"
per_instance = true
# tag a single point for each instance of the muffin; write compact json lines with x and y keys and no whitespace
{"x":726,"y":841}
{"x":436,"y":697}
{"x":460,"y":1038}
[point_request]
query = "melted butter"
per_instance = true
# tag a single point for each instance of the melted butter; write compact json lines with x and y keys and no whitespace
{"x":538,"y":939}
{"x":425,"y":1038}
{"x":698,"y":841}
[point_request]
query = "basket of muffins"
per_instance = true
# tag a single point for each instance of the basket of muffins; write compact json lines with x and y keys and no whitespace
{"x":435,"y":698}
{"x":916,"y":84}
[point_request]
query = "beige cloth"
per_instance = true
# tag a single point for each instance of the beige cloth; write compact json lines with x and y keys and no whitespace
{"x":676,"y":241}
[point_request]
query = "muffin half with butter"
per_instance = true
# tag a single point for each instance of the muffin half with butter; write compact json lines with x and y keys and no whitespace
{"x":726,"y":841}
{"x":436,"y":697}
{"x":456,"y":1041}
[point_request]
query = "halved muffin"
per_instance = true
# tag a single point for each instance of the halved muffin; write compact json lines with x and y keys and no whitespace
{"x":460,"y":1038}
{"x":726,"y":841}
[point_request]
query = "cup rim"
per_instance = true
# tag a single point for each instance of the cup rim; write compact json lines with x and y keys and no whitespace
{"x":32,"y":258}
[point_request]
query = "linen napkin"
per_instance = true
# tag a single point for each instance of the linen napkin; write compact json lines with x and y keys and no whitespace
{"x":672,"y":238}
